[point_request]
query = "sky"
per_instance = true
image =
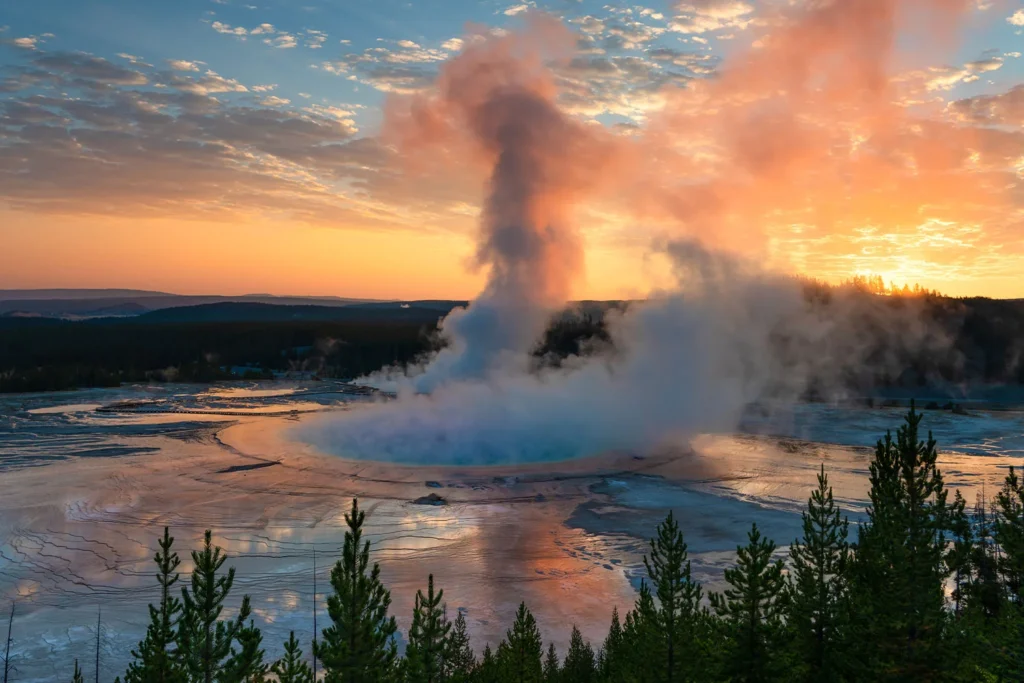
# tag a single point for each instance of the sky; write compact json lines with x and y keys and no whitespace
{"x":243,"y":146}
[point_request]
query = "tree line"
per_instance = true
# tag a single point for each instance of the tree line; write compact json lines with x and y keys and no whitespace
{"x":931,"y":589}
{"x":976,"y":341}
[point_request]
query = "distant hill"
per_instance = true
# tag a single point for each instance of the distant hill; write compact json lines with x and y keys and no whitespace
{"x":38,"y":294}
{"x":77,"y":304}
{"x":230,"y":312}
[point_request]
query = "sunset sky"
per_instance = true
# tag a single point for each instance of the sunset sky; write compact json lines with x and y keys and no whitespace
{"x":240,"y":146}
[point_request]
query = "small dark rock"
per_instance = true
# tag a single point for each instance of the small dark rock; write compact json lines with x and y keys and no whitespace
{"x":959,"y":410}
{"x":431,"y":499}
{"x":932,"y":405}
{"x":434,"y":485}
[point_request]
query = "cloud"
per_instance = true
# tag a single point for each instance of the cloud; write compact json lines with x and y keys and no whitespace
{"x":27,"y":43}
{"x":589,"y":24}
{"x":406,"y":68}
{"x":182,"y":65}
{"x":452,"y":44}
{"x":264,"y":88}
{"x":340,"y":114}
{"x":1005,"y":109}
{"x":282,"y":41}
{"x":1017,"y":18}
{"x":513,"y":10}
{"x":947,"y":77}
{"x":93,"y":71}
{"x":209,"y":83}
{"x":221,"y":27}
{"x":275,"y":37}
{"x":80,"y":135}
{"x":315,"y":39}
{"x":703,"y":16}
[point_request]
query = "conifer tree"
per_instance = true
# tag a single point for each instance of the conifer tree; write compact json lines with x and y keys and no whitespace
{"x":817,"y":587}
{"x":460,"y":659}
{"x":959,"y":555}
{"x":246,"y":664}
{"x":519,"y":655}
{"x":359,"y":645}
{"x":639,"y":637}
{"x":751,"y":610}
{"x":676,"y":624}
{"x":155,"y":659}
{"x":898,"y":575}
{"x":1009,"y":534}
{"x":488,"y":671}
{"x":551,"y":668}
{"x":986,"y":593}
{"x":204,"y":640}
{"x":580,"y":664}
{"x":291,"y":668}
{"x":77,"y":678}
{"x":613,"y":655}
{"x":429,"y":635}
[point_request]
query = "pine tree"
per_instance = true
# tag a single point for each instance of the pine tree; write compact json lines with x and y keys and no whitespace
{"x":580,"y":664}
{"x":77,"y":678}
{"x":817,"y":586}
{"x":677,"y":621}
{"x":359,"y":645}
{"x":155,"y":660}
{"x":898,"y":574}
{"x":1009,"y":534}
{"x":519,"y":655}
{"x":246,"y":664}
{"x":751,"y":611}
{"x":291,"y":668}
{"x":204,"y":641}
{"x":639,"y":636}
{"x":551,"y":667}
{"x":461,"y":660}
{"x":614,"y":656}
{"x":489,"y":670}
{"x":958,"y":557}
{"x":429,"y":635}
{"x":986,"y":593}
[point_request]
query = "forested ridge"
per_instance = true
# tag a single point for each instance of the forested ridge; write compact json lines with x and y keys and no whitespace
{"x":913,"y":340}
{"x":929,"y":587}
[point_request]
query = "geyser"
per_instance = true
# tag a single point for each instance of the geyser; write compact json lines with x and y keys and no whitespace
{"x":497,"y":100}
{"x":809,"y":125}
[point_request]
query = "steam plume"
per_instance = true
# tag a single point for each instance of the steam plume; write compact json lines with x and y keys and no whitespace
{"x":497,"y":101}
{"x":806,"y":127}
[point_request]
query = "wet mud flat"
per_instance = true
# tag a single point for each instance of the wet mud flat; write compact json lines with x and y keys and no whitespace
{"x":83,"y":496}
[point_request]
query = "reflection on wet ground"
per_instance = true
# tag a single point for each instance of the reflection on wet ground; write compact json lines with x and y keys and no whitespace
{"x":85,"y":493}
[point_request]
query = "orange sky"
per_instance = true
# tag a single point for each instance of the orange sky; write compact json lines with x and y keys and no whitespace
{"x":825,"y":144}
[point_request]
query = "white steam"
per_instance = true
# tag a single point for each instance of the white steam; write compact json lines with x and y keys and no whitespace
{"x":684,"y":362}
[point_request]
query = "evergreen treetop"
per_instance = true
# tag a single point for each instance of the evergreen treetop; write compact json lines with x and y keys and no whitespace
{"x":204,"y":640}
{"x":291,"y":668}
{"x":359,"y":645}
{"x":155,"y":660}
{"x":818,"y":586}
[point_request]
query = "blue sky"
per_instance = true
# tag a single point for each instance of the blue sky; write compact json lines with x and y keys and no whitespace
{"x":308,"y":34}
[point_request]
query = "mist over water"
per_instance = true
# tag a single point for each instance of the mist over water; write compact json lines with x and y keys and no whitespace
{"x":791,"y":121}
{"x":682,"y":363}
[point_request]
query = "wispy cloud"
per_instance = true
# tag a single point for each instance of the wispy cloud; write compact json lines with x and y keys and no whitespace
{"x":182,"y":65}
